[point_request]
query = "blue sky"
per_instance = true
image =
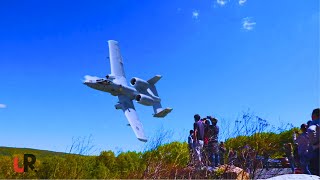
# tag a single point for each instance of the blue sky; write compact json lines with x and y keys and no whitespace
{"x":217,"y":58}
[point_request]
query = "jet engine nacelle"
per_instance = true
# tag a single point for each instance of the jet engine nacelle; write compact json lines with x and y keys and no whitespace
{"x":139,"y":83}
{"x":118,"y":106}
{"x":145,"y":100}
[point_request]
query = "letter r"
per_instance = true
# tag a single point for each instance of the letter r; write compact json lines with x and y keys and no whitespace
{"x":27,"y":164}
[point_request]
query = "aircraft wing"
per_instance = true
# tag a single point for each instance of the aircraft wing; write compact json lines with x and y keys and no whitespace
{"x":131,"y":115}
{"x":116,"y":62}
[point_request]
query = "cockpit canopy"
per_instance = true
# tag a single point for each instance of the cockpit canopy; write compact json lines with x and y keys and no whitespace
{"x":103,"y":81}
{"x":100,"y":80}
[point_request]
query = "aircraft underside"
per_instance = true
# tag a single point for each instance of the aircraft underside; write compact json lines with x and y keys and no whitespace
{"x":143,"y":92}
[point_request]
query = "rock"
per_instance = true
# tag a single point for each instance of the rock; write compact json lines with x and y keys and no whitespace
{"x":232,"y":172}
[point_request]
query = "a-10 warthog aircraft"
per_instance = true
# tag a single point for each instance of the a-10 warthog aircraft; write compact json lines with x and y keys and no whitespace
{"x":144,"y":92}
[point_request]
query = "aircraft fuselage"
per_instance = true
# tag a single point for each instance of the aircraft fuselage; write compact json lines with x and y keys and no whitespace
{"x":112,"y":88}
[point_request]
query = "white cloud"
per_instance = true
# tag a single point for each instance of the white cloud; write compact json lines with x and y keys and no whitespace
{"x":248,"y":24}
{"x":3,"y":106}
{"x":241,"y":2}
{"x":222,"y":2}
{"x":195,"y":14}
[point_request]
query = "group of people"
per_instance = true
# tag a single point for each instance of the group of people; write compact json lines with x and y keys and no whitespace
{"x":305,"y":152}
{"x":204,"y":148}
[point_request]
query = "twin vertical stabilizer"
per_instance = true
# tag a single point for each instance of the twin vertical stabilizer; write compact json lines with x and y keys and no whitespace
{"x":157,"y":107}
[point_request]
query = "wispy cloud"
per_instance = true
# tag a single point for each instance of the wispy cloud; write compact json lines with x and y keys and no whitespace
{"x":222,"y":2}
{"x":195,"y":14}
{"x":3,"y":106}
{"x":241,"y":2}
{"x":248,"y":24}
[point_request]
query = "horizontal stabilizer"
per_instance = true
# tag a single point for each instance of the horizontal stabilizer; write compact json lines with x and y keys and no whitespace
{"x":163,"y":113}
{"x":154,"y":80}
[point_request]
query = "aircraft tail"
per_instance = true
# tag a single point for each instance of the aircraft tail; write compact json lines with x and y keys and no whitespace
{"x":160,"y":112}
{"x":154,"y":80}
{"x":157,"y":107}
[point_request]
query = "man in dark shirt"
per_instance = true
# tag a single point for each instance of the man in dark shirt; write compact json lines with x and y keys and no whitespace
{"x":213,"y":142}
{"x":198,"y":127}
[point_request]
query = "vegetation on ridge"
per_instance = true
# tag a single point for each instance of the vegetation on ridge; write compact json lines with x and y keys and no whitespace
{"x":161,"y":160}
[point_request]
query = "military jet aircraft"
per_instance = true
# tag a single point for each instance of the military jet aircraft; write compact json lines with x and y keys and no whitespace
{"x":143,"y":92}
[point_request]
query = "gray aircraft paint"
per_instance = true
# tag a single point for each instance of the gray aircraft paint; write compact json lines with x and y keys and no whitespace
{"x":144,"y":92}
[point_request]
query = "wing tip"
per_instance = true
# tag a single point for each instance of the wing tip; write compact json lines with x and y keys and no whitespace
{"x":112,"y":41}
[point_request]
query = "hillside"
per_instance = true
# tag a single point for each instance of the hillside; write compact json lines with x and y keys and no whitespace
{"x":168,"y":160}
{"x":11,"y":151}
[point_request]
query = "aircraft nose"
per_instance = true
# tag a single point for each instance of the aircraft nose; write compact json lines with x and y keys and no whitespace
{"x":87,"y":82}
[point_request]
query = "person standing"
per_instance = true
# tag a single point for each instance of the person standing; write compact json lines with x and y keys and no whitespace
{"x":289,"y":153}
{"x":198,"y":128}
{"x":191,"y":147}
{"x":314,"y":135}
{"x":303,"y":145}
{"x":222,"y":151}
{"x":296,"y":155}
{"x":213,"y":142}
{"x":206,"y":148}
{"x":266,"y":157}
{"x":232,"y":156}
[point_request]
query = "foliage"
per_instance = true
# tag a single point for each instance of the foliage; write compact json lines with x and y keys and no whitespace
{"x":165,"y":161}
{"x":160,"y":159}
{"x":105,"y":166}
